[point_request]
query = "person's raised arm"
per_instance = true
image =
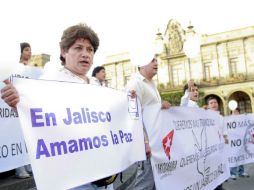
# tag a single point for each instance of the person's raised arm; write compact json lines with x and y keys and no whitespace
{"x":185,"y":98}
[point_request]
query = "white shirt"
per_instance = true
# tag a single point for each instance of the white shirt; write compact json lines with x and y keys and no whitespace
{"x":63,"y":74}
{"x":146,"y":90}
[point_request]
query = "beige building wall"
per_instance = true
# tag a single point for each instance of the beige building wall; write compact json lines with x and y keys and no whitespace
{"x":39,"y":60}
{"x":118,"y":70}
{"x":224,"y":66}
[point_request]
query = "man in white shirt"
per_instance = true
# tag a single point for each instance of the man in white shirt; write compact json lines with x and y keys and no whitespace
{"x":191,"y":95}
{"x":146,"y":91}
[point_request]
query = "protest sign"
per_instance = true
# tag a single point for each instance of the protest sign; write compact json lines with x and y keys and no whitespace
{"x":77,"y":133}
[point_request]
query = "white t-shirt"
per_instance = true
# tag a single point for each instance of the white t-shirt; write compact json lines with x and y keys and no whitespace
{"x":146,"y":90}
{"x":63,"y":74}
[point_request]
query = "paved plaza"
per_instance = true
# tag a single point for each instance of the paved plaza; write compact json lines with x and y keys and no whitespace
{"x":242,"y":183}
{"x":128,"y":176}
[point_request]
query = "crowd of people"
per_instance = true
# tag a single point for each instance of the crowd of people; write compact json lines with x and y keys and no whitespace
{"x":78,"y":46}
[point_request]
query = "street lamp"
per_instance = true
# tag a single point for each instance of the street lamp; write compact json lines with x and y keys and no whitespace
{"x":191,"y":45}
{"x":232,"y":104}
{"x":158,"y":43}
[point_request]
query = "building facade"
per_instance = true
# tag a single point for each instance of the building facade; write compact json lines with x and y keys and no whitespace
{"x":119,"y":70}
{"x":224,"y":66}
{"x":39,"y":60}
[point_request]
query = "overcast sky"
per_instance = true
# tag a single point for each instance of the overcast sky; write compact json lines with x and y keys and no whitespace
{"x":120,"y":24}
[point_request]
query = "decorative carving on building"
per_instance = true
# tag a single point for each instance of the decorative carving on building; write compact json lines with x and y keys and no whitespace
{"x":39,"y":60}
{"x":175,"y":37}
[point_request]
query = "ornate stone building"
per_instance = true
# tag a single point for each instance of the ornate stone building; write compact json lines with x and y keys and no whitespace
{"x":39,"y":60}
{"x":118,"y":70}
{"x":224,"y":67}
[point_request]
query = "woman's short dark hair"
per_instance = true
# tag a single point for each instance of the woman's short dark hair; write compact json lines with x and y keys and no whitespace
{"x":23,"y":45}
{"x":80,"y":31}
{"x":97,"y":70}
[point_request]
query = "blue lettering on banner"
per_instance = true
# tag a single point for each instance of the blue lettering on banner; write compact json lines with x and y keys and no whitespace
{"x":41,"y":119}
{"x":36,"y":114}
{"x":127,"y":137}
{"x":85,"y":116}
{"x":114,"y":138}
{"x":63,"y":147}
{"x":124,"y":137}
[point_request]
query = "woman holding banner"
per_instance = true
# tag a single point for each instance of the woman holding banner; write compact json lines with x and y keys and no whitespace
{"x":78,"y":45}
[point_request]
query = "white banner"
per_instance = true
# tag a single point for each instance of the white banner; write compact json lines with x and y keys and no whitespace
{"x":13,"y":152}
{"x":187,"y":148}
{"x":77,"y":133}
{"x":241,"y":139}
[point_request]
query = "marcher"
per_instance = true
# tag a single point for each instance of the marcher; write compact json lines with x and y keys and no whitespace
{"x":78,"y":46}
{"x":142,"y":83}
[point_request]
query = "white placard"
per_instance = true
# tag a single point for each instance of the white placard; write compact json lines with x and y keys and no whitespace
{"x":13,"y":152}
{"x":187,"y":148}
{"x":77,"y":133}
{"x":240,"y":130}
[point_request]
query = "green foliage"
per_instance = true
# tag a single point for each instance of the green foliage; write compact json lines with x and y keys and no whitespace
{"x":175,"y":98}
{"x":161,"y":86}
{"x":201,"y":101}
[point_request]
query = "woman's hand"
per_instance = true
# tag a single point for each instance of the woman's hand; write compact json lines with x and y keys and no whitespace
{"x":9,"y":94}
